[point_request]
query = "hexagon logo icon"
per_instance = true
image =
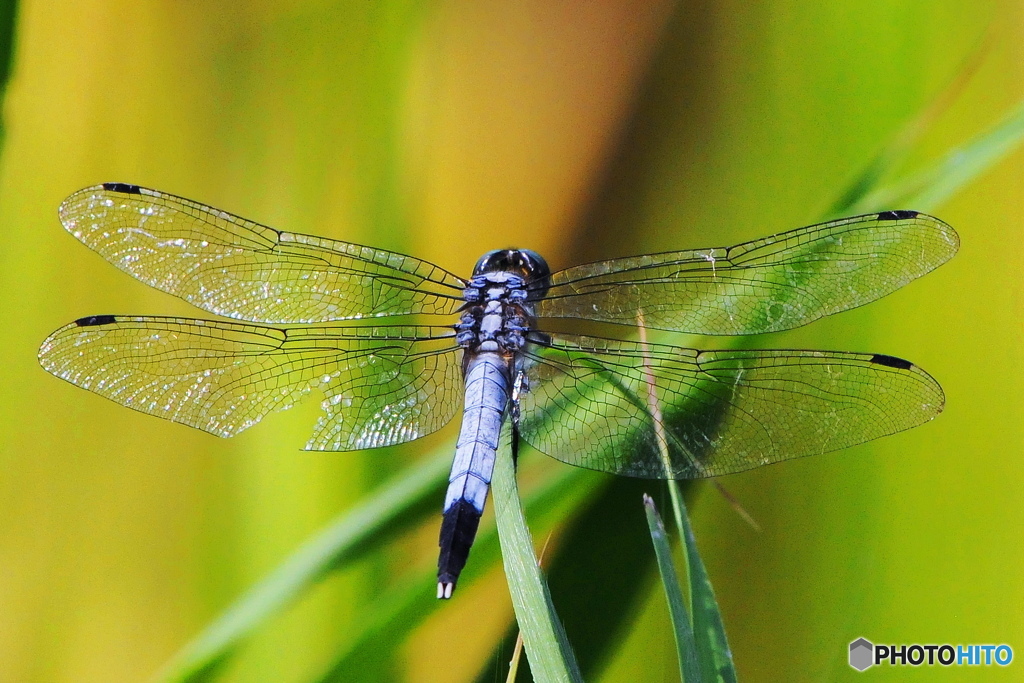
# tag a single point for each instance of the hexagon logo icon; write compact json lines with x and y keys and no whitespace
{"x":861,"y":654}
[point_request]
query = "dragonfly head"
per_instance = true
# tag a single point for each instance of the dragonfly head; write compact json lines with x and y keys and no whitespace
{"x":529,"y":265}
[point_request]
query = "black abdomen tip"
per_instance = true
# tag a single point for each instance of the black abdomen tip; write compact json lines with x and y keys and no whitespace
{"x":891,"y":361}
{"x":123,"y":188}
{"x":94,"y":320}
{"x":458,"y":529}
{"x":897,"y":215}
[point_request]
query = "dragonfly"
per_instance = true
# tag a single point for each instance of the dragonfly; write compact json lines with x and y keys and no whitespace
{"x":348,"y":323}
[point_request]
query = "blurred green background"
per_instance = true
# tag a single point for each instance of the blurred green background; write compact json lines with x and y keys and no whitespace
{"x":581,"y":130}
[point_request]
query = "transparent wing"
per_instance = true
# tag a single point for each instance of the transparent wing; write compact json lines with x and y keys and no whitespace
{"x":767,"y":285}
{"x":239,"y":269}
{"x":590,"y":403}
{"x":382,"y":385}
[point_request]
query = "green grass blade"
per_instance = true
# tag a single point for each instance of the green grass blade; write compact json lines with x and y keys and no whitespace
{"x":895,"y":152}
{"x":598,"y":570}
{"x":374,"y":522}
{"x":708,"y":629}
{"x":686,"y":649}
{"x":403,"y":609}
{"x":547,"y":648}
{"x":936,"y":183}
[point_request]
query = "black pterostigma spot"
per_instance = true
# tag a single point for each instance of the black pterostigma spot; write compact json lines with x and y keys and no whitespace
{"x":897,"y":215}
{"x":123,"y":188}
{"x":94,"y":320}
{"x":891,"y":361}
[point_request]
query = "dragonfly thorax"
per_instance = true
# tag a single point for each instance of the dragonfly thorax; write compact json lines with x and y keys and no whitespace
{"x":497,"y":315}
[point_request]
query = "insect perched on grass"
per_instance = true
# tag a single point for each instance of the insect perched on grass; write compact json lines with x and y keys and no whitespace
{"x":581,"y":399}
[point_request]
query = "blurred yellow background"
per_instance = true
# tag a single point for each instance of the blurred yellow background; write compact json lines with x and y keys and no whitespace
{"x":581,"y":130}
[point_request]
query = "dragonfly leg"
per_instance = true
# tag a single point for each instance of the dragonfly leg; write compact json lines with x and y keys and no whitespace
{"x":519,"y":385}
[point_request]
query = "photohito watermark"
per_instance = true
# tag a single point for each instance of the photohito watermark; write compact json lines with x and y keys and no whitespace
{"x":865,"y":654}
